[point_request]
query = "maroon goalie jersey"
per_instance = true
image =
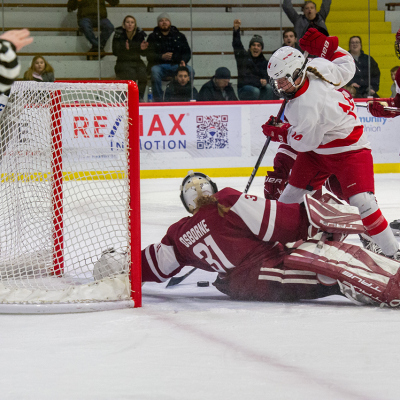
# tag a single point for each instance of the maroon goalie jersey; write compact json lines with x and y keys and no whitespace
{"x":243,"y":246}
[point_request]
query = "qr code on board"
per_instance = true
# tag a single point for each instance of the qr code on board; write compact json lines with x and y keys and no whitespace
{"x":212,"y":131}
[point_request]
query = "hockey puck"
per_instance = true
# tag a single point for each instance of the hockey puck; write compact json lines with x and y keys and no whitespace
{"x":203,"y":283}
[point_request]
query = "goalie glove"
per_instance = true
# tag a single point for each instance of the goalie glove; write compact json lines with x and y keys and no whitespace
{"x":317,"y":44}
{"x":274,"y":185}
{"x":377,"y":109}
{"x":277,"y":132}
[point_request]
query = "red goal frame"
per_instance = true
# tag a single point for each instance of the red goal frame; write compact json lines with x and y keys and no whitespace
{"x":134,"y":185}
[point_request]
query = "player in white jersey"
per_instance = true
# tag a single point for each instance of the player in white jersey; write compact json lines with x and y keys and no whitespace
{"x":324,"y":128}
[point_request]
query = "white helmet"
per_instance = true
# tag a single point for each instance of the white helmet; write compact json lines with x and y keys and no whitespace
{"x":286,"y":62}
{"x":196,"y":185}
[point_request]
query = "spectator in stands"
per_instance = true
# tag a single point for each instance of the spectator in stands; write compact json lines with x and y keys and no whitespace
{"x":360,"y":79}
{"x":310,"y":17}
{"x":87,"y":20}
{"x":290,"y":39}
{"x":168,"y":50}
{"x":180,"y":89}
{"x":40,"y":71}
{"x":393,"y":75}
{"x":251,"y":66}
{"x":218,"y":88}
{"x":129,"y":43}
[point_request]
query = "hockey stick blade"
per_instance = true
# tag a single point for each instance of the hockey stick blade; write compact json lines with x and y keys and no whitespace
{"x":176,"y":280}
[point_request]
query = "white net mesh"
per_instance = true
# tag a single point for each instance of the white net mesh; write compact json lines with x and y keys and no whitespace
{"x":64,"y":192}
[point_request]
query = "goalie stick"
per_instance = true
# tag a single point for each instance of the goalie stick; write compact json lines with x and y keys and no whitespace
{"x":392,"y":109}
{"x":176,"y":280}
{"x":267,"y":142}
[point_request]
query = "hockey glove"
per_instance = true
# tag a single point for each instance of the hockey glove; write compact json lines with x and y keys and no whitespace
{"x":277,"y":133}
{"x":317,"y":44}
{"x":274,"y":184}
{"x":376,"y":108}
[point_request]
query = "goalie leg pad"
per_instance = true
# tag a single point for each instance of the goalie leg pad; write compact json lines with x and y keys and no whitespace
{"x":333,"y":218}
{"x":362,"y":271}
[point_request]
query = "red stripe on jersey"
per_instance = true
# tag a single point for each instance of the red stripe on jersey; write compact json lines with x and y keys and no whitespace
{"x":303,"y":89}
{"x":375,"y":223}
{"x":338,"y":54}
{"x":354,"y":137}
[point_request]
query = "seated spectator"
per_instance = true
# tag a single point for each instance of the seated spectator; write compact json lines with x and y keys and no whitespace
{"x":360,"y":79}
{"x":251,"y":66}
{"x":290,"y":39}
{"x":129,"y":43}
{"x":168,"y":50}
{"x":87,"y":20}
{"x":39,"y":71}
{"x":351,"y":89}
{"x":180,"y":89}
{"x":310,"y":17}
{"x":218,"y":88}
{"x":393,"y":75}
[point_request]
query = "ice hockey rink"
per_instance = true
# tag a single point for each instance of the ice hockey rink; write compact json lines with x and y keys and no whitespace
{"x":189,"y":342}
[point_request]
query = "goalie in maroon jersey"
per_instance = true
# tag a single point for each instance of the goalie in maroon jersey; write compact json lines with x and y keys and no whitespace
{"x":243,"y":237}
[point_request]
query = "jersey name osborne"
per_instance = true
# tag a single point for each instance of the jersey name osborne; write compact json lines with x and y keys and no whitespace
{"x":194,"y":234}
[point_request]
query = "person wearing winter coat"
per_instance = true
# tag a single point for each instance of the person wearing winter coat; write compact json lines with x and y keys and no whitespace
{"x":180,"y":89}
{"x":251,"y":66}
{"x":218,"y":88}
{"x":87,"y":20}
{"x":168,"y":50}
{"x":129,"y":44}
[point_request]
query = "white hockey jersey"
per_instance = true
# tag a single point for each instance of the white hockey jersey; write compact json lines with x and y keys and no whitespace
{"x":323,"y":119}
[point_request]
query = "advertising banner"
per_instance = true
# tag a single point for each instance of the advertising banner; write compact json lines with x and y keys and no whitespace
{"x":205,"y":131}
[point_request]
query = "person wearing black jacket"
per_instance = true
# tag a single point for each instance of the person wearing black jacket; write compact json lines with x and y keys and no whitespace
{"x":87,"y":20}
{"x":218,"y":88}
{"x":360,"y":79}
{"x":252,"y":67}
{"x":168,"y":50}
{"x":180,"y":89}
{"x":129,"y":43}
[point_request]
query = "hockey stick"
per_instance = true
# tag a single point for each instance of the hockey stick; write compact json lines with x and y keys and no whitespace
{"x":178,"y":279}
{"x":392,"y":109}
{"x":267,"y":142}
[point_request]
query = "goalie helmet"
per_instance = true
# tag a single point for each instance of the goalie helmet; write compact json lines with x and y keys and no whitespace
{"x":287,"y":62}
{"x":396,"y":44}
{"x":195,"y":185}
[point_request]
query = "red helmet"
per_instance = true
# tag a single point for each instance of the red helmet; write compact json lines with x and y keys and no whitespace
{"x":396,"y":44}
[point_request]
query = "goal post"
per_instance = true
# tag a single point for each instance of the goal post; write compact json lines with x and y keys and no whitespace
{"x":70,"y":197}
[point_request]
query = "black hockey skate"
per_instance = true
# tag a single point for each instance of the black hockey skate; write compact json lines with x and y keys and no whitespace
{"x":370,"y":245}
{"x":395,"y":227}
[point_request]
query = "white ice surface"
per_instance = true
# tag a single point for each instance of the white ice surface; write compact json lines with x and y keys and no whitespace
{"x":195,"y":343}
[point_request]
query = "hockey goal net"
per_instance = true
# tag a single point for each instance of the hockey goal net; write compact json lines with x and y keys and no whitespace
{"x":69,"y":197}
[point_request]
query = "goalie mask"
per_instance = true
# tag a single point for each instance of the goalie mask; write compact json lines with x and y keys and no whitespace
{"x":287,"y":62}
{"x":194,"y":186}
{"x":396,"y":44}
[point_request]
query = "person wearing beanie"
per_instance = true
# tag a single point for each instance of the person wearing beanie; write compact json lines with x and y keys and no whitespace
{"x":168,"y":49}
{"x":218,"y":88}
{"x":252,"y":67}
